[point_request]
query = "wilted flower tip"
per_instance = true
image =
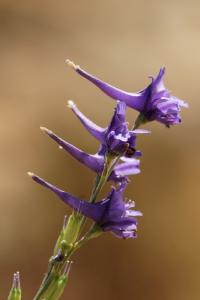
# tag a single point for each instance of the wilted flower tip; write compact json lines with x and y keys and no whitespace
{"x":71,"y":64}
{"x":30,"y":174}
{"x":70,"y":104}
{"x":45,"y":130}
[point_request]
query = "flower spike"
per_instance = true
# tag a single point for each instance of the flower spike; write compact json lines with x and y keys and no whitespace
{"x":71,"y":64}
{"x":128,"y":167}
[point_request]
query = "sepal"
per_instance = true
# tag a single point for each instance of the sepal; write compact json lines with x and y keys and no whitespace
{"x":68,"y":235}
{"x":141,"y":119}
{"x":72,"y":229}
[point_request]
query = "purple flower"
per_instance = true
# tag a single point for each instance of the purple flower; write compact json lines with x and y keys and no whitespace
{"x":129,"y":166}
{"x":154,"y":102}
{"x":111,"y":214}
{"x":116,"y":138}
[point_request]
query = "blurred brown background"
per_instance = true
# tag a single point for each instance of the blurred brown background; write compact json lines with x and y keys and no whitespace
{"x":122,"y":42}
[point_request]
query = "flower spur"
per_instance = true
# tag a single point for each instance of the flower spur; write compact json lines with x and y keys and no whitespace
{"x":111,"y":214}
{"x":95,"y":162}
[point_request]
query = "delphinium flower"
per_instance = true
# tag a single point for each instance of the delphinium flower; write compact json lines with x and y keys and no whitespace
{"x":111,"y":214}
{"x":95,"y":162}
{"x":153,"y":102}
{"x":116,"y":138}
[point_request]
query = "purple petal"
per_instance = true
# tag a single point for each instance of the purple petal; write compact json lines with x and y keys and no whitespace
{"x":130,"y":167}
{"x":124,"y":234}
{"x":157,"y":83}
{"x":116,"y":205}
{"x":180,"y":102}
{"x":119,"y":118}
{"x":125,"y":224}
{"x":140,"y":131}
{"x":134,"y":213}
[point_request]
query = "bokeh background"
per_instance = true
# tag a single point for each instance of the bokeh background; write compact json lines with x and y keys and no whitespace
{"x":122,"y":42}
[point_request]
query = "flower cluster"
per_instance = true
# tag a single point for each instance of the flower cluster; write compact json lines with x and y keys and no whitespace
{"x":117,"y":156}
{"x":116,"y":141}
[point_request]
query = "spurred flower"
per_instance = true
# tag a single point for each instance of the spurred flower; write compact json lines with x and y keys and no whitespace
{"x":116,"y":138}
{"x":154,"y":102}
{"x":129,"y":166}
{"x":111,"y":214}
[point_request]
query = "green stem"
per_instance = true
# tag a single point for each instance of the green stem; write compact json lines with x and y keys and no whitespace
{"x":109,"y":164}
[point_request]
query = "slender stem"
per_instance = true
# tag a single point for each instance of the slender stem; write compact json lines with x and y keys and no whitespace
{"x":109,"y":164}
{"x":108,"y":167}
